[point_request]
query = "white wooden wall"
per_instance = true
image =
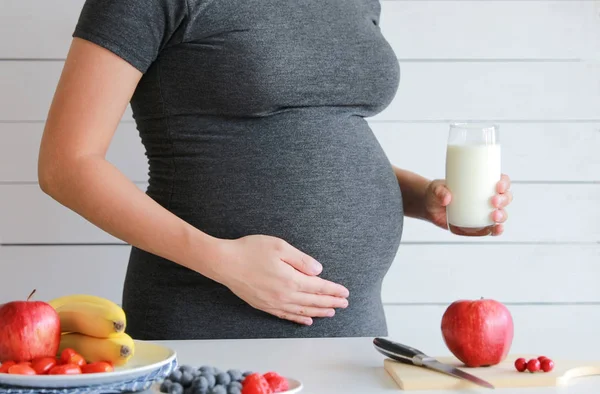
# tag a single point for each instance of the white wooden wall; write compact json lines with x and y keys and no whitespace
{"x":531,"y":66}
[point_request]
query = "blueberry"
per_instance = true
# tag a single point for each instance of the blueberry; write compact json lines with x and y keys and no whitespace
{"x":247,"y":373}
{"x":235,"y":374}
{"x":187,"y":368}
{"x":207,"y":370}
{"x":201,"y":383}
{"x":234,"y":390}
{"x":211,"y":380}
{"x":196,"y":373}
{"x":216,"y":371}
{"x":235,"y":383}
{"x":223,"y":378}
{"x":175,"y":376}
{"x":196,"y":390}
{"x":176,"y":388}
{"x":218,"y":389}
{"x":165,"y":386}
{"x":186,"y":379}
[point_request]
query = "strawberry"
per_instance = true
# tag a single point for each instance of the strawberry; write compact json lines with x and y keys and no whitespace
{"x":277,"y":382}
{"x":256,"y":384}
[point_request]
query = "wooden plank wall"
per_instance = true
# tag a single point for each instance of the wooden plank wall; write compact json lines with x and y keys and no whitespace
{"x":531,"y":66}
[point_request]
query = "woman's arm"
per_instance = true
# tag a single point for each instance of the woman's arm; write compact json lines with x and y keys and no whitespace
{"x":414,"y":190}
{"x":90,"y":99}
{"x":92,"y":95}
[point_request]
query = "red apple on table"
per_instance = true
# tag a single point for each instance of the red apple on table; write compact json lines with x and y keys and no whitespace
{"x":478,"y":332}
{"x":28,"y":330}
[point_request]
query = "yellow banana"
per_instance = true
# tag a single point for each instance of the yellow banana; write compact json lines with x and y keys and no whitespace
{"x":89,"y":314}
{"x":117,"y":348}
{"x":94,"y":319}
{"x":69,"y":299}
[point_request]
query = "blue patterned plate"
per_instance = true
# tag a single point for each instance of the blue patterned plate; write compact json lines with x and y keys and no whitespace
{"x":150,"y":363}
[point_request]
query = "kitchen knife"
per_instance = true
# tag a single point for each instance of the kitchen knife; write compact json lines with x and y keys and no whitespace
{"x":409,"y":355}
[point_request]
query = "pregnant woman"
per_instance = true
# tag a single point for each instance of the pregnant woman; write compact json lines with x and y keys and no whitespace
{"x":271,"y":210}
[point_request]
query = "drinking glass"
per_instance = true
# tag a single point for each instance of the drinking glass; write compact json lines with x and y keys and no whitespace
{"x":473,"y":169}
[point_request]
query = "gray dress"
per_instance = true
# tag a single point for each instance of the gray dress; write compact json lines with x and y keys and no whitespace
{"x":252,"y":113}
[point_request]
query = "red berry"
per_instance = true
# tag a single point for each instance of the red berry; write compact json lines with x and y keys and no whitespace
{"x":256,"y":384}
{"x":542,"y":358}
{"x":21,"y":369}
{"x":547,"y":365}
{"x":277,"y":382}
{"x":6,"y":365}
{"x":521,"y":364}
{"x":533,"y":365}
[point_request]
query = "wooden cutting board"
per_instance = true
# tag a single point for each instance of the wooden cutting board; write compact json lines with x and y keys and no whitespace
{"x":410,"y":377}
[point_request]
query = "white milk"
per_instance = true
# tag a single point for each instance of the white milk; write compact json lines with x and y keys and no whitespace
{"x":472,"y":172}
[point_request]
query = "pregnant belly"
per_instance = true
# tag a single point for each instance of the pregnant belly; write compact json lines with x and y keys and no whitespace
{"x":322,"y":184}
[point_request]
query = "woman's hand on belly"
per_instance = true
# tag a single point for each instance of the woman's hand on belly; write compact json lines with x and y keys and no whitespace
{"x":273,"y":276}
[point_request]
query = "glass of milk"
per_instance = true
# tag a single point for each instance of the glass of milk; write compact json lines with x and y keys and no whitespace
{"x":473,"y":169}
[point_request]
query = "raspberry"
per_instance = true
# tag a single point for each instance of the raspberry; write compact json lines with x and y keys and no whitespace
{"x":256,"y":384}
{"x":277,"y":382}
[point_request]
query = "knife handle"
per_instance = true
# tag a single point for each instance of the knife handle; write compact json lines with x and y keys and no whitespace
{"x":399,"y":351}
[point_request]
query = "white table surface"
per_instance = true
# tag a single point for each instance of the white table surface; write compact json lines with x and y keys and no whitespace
{"x":325,"y":366}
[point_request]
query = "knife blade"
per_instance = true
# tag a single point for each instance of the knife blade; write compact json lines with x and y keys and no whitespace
{"x":410,"y":355}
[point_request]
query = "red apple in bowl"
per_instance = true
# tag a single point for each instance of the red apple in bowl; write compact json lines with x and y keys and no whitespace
{"x":28,"y":330}
{"x":478,"y":332}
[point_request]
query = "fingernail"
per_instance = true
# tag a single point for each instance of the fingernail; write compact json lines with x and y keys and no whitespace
{"x":331,"y":313}
{"x":499,"y":216}
{"x":317,"y":267}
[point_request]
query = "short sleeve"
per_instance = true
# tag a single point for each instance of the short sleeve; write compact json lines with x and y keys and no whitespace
{"x":375,"y":10}
{"x":135,"y":30}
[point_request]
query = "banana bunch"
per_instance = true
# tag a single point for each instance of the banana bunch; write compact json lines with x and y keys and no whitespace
{"x":94,"y":327}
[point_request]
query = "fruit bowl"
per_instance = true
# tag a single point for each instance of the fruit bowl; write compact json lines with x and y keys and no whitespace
{"x":151,"y":362}
{"x":295,"y":386}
